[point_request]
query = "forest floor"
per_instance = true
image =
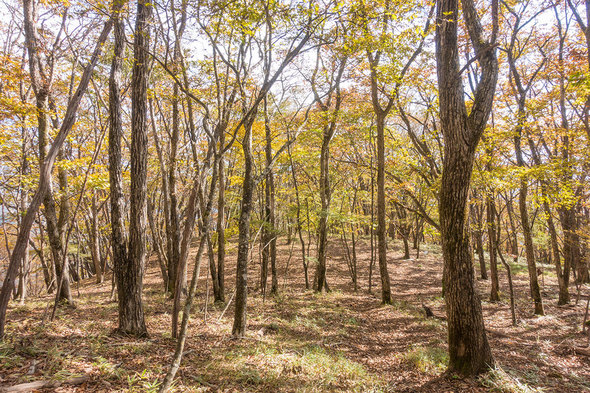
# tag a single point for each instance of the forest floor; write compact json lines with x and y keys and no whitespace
{"x":299,"y":341}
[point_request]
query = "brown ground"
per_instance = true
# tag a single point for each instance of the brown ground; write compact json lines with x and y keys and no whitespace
{"x":299,"y":341}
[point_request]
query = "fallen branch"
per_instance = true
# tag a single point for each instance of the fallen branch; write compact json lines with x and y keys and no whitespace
{"x":582,"y":351}
{"x":29,"y":386}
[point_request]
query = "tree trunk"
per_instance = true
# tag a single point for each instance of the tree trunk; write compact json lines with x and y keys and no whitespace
{"x":130,"y":277}
{"x":469,"y":350}
{"x":491,"y":219}
{"x":529,"y":249}
{"x":476,"y":214}
{"x":381,"y":213}
{"x":94,"y":240}
{"x":562,"y":274}
{"x":221,"y":226}
{"x":513,"y":232}
{"x":270,"y":242}
{"x":320,"y":283}
{"x":239,"y":326}
{"x":299,"y":225}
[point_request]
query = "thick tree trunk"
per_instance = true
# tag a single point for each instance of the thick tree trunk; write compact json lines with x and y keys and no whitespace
{"x":130,"y":277}
{"x":469,"y":350}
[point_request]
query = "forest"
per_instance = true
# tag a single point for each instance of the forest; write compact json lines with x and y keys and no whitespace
{"x":295,"y":196}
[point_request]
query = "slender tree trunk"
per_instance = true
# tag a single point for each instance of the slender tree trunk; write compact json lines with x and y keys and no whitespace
{"x":562,"y":274}
{"x":513,"y":232}
{"x":320,"y":283}
{"x":478,"y":233}
{"x":270,"y":238}
{"x":94,"y":240}
{"x":299,"y":225}
{"x":372,"y":261}
{"x":221,"y":225}
{"x":173,"y":225}
{"x":491,"y":219}
{"x":529,"y":249}
{"x":239,"y":326}
{"x":212,"y":266}
{"x":381,"y":213}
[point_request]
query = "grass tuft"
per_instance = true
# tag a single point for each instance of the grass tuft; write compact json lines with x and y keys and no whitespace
{"x":501,"y":380}
{"x":430,"y":360}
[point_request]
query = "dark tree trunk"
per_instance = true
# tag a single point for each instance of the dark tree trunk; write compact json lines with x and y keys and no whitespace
{"x":469,"y":350}
{"x":212,"y":267}
{"x":94,"y":241}
{"x":221,"y":226}
{"x":299,"y":225}
{"x":562,"y":274}
{"x":522,"y":92}
{"x":513,"y":232}
{"x":239,"y":326}
{"x":270,"y":238}
{"x":320,"y":283}
{"x":381,"y":213}
{"x":173,"y":225}
{"x":130,"y":277}
{"x":491,"y":219}
{"x":529,"y":249}
{"x":477,"y":216}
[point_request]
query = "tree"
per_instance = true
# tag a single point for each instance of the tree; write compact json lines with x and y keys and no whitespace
{"x":330,"y":117}
{"x":130,"y":270}
{"x":469,"y":350}
{"x":521,"y":90}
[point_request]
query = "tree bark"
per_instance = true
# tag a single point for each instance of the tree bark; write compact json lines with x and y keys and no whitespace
{"x":491,"y":219}
{"x":270,"y":238}
{"x":477,"y":217}
{"x":469,"y":350}
{"x":239,"y":326}
{"x":130,"y":277}
{"x":221,"y":225}
{"x":118,"y":235}
{"x":94,"y":240}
